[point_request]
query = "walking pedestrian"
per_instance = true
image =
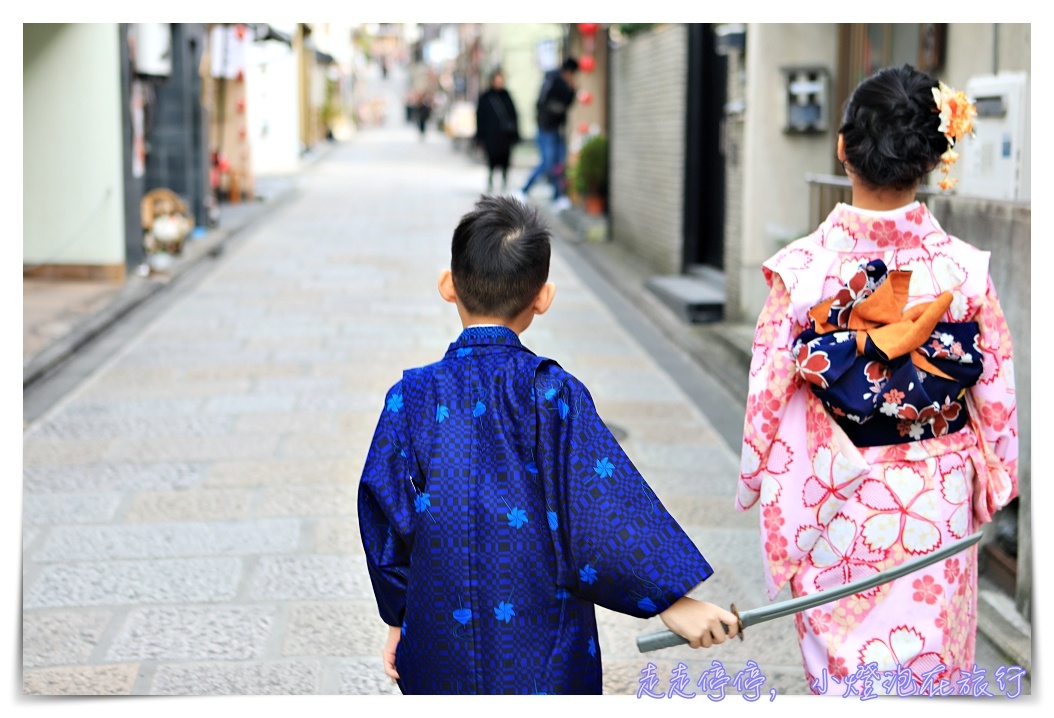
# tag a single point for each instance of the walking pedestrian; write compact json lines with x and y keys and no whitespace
{"x":881,"y":422}
{"x":555,"y":97}
{"x":497,"y":128}
{"x":497,"y":509}
{"x":424,"y":112}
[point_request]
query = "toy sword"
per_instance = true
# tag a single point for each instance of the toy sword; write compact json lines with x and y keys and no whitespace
{"x":665,"y":639}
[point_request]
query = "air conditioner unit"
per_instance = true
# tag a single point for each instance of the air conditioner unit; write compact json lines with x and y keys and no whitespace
{"x":153,"y":48}
{"x":996,"y":162}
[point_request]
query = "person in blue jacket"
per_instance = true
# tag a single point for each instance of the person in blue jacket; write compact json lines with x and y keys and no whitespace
{"x":555,"y":98}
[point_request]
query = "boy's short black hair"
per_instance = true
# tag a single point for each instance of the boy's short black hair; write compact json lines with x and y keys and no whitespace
{"x":499,"y":257}
{"x":569,"y":65}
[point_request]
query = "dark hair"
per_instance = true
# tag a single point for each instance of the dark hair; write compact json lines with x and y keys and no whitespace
{"x":570,"y":65}
{"x":499,"y":257}
{"x":890,"y":128}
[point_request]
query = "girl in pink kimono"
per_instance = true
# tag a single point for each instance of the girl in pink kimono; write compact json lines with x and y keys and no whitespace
{"x":881,"y":421}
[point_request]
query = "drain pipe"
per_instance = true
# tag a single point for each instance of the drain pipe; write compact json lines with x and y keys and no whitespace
{"x":995,"y":49}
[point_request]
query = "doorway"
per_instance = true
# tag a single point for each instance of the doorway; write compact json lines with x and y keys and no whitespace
{"x":704,"y":200}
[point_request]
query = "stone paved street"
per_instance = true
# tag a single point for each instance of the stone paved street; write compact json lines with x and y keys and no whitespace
{"x":189,"y":519}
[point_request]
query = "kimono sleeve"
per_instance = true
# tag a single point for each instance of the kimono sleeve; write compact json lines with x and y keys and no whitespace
{"x":385,"y":509}
{"x":617,"y":545}
{"x":993,"y":410}
{"x":773,"y":381}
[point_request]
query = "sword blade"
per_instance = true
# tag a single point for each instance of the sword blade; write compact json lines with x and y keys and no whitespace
{"x":665,"y":639}
{"x":802,"y":603}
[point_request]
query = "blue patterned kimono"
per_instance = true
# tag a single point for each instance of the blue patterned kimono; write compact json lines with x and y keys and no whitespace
{"x":496,"y":509}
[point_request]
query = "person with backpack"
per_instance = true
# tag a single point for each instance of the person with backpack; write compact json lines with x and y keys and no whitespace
{"x":554,"y":100}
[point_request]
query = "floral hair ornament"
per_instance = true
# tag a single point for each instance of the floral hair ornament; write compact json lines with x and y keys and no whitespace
{"x":957,"y":113}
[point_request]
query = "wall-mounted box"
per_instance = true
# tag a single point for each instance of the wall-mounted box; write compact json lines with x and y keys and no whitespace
{"x":996,"y":162}
{"x":730,"y":38}
{"x":806,"y":99}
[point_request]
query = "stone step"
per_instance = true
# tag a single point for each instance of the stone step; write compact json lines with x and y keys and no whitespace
{"x":697,"y":297}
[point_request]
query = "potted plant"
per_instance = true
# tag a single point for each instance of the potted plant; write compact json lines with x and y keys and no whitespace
{"x":591,"y":174}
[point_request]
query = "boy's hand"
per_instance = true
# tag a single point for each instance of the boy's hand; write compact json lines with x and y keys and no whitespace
{"x":699,"y":622}
{"x":394,"y":633}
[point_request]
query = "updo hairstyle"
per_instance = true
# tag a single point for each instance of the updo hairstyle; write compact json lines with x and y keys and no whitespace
{"x":890,"y":129}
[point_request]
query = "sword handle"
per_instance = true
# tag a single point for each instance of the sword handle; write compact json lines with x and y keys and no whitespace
{"x":659,"y":639}
{"x":668,"y":639}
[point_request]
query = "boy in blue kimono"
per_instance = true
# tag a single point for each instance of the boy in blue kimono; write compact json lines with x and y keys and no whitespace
{"x":496,"y":508}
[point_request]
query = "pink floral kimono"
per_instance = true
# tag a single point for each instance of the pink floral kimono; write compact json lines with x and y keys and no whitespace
{"x":835,"y":509}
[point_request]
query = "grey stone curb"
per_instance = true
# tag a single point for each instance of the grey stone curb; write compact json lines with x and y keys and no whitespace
{"x":721,"y":349}
{"x":1000,"y":622}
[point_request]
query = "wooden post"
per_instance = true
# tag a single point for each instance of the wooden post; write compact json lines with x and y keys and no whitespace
{"x":234,"y":193}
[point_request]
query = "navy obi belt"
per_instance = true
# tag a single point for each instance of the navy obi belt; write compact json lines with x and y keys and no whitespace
{"x":888,"y":375}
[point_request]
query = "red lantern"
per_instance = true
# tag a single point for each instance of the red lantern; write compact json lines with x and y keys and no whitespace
{"x":585,"y":97}
{"x":588,"y":29}
{"x":586,"y":63}
{"x":583,"y":128}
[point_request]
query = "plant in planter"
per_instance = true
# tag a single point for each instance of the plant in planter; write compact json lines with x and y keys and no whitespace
{"x":571,"y":179}
{"x":591,"y":174}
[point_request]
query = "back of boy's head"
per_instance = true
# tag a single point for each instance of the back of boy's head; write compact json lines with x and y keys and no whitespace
{"x":499,"y":257}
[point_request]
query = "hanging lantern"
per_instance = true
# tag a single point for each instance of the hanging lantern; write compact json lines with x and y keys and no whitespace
{"x":585,"y":97}
{"x":588,"y":29}
{"x":586,"y":63}
{"x":583,"y":128}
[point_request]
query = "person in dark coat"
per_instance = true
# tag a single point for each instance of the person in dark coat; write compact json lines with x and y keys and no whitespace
{"x":424,"y":112}
{"x":497,"y":128}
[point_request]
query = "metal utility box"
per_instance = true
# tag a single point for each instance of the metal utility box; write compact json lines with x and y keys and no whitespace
{"x":996,"y":162}
{"x":806,"y":99}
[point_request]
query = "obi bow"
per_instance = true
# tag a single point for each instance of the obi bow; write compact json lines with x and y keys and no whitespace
{"x":865,"y":346}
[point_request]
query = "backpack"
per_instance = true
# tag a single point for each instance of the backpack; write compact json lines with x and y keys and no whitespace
{"x":550,"y":109}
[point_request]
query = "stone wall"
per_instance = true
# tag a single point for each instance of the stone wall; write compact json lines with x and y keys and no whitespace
{"x":1005,"y":230}
{"x":732,"y":145}
{"x":649,"y":74}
